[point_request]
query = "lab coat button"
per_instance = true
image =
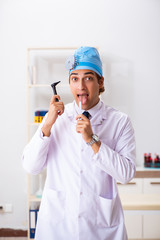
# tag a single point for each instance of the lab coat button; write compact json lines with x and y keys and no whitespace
{"x":81,"y":171}
{"x":81,"y":193}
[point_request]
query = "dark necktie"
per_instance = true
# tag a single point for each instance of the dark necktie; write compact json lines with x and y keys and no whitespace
{"x":85,"y":113}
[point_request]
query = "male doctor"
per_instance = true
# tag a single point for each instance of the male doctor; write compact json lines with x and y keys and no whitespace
{"x":85,"y":155}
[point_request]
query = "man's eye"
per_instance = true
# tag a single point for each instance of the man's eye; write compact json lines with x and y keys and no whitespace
{"x":88,"y":78}
{"x":74,"y":79}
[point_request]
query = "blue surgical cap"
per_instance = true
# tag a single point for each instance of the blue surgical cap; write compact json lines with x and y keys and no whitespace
{"x":85,"y":58}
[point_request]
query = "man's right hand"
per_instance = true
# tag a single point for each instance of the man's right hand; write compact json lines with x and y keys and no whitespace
{"x":55,"y":109}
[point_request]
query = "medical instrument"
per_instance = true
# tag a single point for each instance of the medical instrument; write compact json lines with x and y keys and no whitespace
{"x":53,"y":85}
{"x":80,"y":106}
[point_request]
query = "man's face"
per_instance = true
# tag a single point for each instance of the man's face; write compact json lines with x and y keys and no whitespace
{"x":84,"y":86}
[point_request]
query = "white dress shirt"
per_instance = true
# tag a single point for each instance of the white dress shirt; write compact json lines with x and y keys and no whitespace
{"x":80,"y":199}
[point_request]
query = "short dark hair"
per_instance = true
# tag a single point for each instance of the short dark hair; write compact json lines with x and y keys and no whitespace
{"x":102,"y":89}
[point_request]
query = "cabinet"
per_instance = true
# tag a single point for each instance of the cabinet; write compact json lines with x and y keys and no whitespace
{"x":151,"y":225}
{"x":135,"y":186}
{"x":44,"y":66}
{"x":141,"y":202}
{"x":151,"y":185}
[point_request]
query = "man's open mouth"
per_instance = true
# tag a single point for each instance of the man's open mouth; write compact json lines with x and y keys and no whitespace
{"x":83,"y":98}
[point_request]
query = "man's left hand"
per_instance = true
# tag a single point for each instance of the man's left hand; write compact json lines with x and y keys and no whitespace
{"x":84,"y":127}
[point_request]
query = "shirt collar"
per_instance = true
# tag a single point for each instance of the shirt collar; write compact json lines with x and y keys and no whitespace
{"x":92,"y":111}
{"x":98,"y":112}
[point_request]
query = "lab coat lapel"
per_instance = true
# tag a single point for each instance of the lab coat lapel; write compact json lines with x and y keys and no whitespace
{"x":99,"y":117}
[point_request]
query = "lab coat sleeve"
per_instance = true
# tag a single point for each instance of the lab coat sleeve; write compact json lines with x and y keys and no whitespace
{"x":34,"y":156}
{"x":120,"y":162}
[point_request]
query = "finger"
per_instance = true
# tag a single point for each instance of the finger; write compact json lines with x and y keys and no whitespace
{"x":79,"y":129}
{"x":60,"y":112}
{"x":53,"y":98}
{"x":83,"y":123}
{"x":79,"y":117}
{"x":58,"y":104}
{"x":82,"y":128}
{"x":60,"y":108}
{"x":57,"y":107}
{"x":82,"y":117}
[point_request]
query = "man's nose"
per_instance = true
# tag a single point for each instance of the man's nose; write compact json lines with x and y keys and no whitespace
{"x":81,"y":84}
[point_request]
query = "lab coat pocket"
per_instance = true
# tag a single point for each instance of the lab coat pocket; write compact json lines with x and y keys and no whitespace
{"x":109,"y":212}
{"x":53,"y":207}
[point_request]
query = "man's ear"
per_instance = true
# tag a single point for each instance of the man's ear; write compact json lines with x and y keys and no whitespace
{"x":101,"y":82}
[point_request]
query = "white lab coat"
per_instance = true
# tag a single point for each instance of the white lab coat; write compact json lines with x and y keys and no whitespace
{"x":80,"y":199}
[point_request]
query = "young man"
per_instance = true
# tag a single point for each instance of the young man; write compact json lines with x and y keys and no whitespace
{"x":85,"y":156}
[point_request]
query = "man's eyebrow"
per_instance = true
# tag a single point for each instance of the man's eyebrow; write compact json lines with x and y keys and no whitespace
{"x":84,"y":73}
{"x":73,"y":74}
{"x":89,"y":73}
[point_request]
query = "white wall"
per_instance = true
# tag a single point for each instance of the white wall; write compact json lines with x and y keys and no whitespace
{"x":128,"y":36}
